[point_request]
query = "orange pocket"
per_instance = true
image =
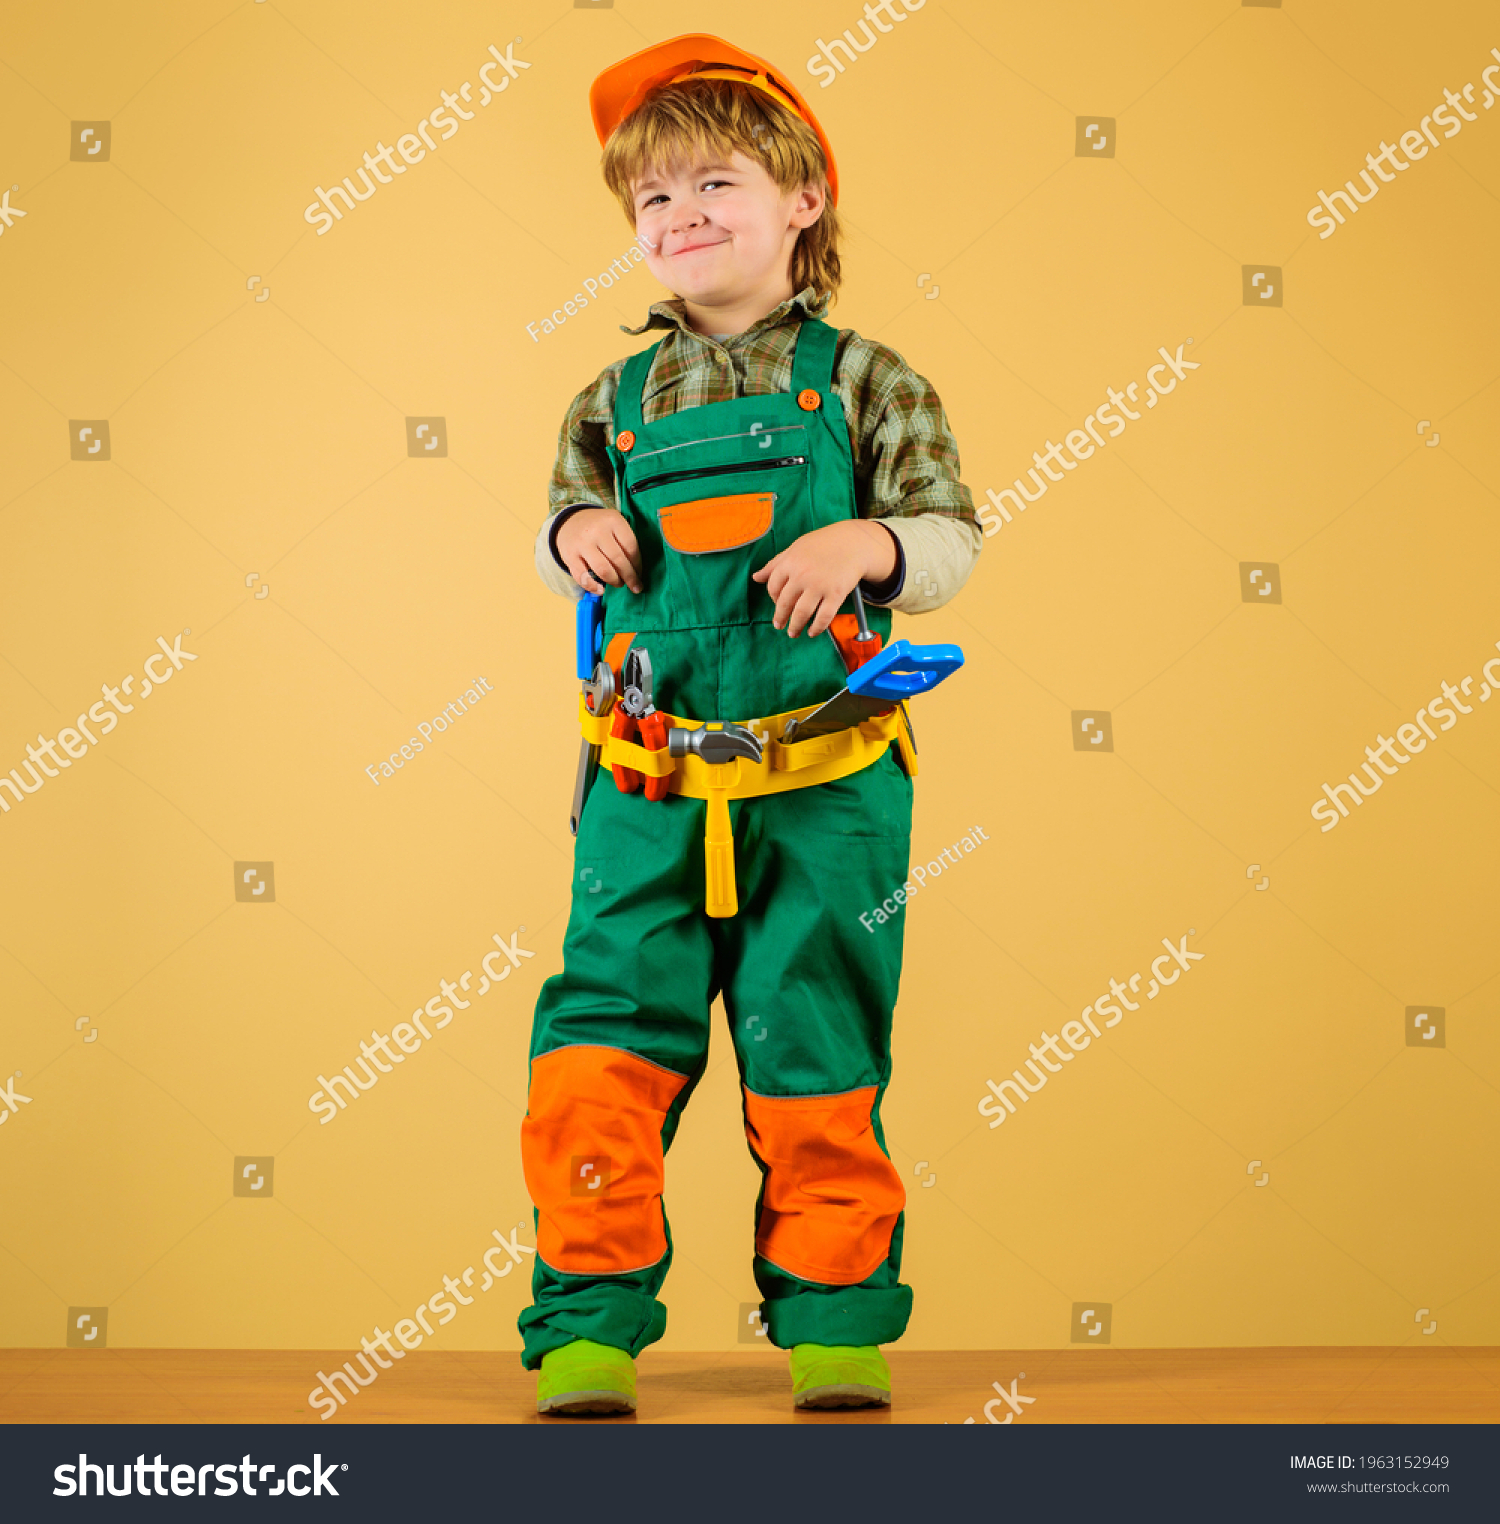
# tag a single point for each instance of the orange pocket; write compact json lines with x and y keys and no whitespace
{"x":717,"y":523}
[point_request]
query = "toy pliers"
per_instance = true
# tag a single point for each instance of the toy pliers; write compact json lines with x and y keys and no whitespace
{"x":636,"y":719}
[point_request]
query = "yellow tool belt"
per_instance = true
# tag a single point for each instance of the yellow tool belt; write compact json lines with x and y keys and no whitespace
{"x":819,"y":759}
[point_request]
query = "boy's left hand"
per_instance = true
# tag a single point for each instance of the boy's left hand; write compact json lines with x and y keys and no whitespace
{"x":815,"y":573}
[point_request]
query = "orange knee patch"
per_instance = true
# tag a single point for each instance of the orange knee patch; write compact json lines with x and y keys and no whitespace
{"x":591,"y":1149}
{"x":832,"y":1197}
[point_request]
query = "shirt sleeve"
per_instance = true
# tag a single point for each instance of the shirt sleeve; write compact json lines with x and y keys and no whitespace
{"x":938,"y":552}
{"x":906,"y":473}
{"x":582,"y":476}
{"x":905,"y":456}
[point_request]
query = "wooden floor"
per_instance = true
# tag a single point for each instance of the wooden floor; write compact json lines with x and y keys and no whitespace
{"x":1411,"y":1384}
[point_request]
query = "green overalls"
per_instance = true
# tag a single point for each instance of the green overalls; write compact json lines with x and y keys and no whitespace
{"x":620,"y":1036}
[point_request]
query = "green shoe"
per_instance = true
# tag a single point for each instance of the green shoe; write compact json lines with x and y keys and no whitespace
{"x":840,"y":1376}
{"x":584,"y":1377}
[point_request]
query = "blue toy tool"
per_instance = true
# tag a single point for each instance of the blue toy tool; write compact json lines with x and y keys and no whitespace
{"x":590,"y":633}
{"x":902,"y":670}
{"x":894,"y":674}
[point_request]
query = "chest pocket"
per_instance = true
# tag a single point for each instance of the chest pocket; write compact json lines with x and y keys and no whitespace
{"x":722,"y":508}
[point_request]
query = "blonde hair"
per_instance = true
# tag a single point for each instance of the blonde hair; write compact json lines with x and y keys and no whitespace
{"x":716,"y":117}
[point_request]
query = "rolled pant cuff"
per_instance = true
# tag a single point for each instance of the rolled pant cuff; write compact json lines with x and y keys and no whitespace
{"x":619,"y":1314}
{"x":855,"y":1315}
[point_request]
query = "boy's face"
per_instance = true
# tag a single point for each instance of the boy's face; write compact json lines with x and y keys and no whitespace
{"x":721,"y":234}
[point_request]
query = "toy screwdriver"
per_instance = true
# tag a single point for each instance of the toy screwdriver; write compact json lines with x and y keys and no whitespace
{"x":851,"y":634}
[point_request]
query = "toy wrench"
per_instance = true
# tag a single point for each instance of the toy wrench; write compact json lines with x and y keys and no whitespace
{"x":599,"y":699}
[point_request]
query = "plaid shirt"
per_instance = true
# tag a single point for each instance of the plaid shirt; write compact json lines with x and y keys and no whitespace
{"x":905,"y":457}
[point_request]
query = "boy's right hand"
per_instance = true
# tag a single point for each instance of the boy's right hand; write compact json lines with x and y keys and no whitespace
{"x":597,"y":545}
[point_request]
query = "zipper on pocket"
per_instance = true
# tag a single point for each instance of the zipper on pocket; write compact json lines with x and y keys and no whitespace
{"x":752,"y":465}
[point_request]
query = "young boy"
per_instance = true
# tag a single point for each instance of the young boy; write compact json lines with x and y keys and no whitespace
{"x":726,"y":491}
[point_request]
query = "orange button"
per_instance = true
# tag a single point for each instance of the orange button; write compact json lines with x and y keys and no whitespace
{"x":624,"y":440}
{"x":809,"y":400}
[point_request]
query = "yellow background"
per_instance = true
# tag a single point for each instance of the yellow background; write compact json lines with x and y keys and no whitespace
{"x":268,"y":437}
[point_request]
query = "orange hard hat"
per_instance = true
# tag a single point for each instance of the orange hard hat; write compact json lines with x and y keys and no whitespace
{"x":622,"y":86}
